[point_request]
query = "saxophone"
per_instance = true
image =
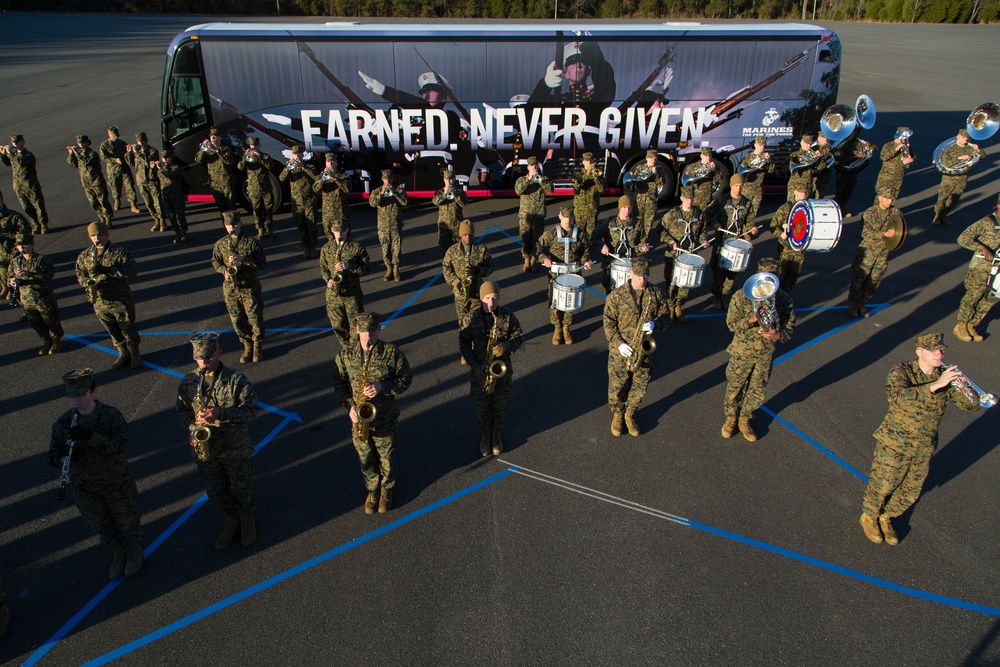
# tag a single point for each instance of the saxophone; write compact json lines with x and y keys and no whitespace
{"x":232,"y":269}
{"x":337,"y":277}
{"x":467,"y":279}
{"x":366,"y":411}
{"x":493,"y":369}
{"x":15,"y":290}
{"x":643,"y":344}
{"x":64,"y":475}
{"x":200,"y":433}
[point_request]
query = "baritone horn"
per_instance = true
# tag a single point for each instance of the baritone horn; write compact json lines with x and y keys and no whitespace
{"x":760,"y":288}
{"x":971,"y":391}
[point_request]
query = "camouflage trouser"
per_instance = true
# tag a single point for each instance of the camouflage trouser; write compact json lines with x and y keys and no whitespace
{"x":376,"y":454}
{"x":491,"y":409}
{"x":43,"y":316}
{"x":977,"y":300}
{"x":645,"y":212}
{"x":391,"y":239}
{"x":821,"y":182}
{"x":174,"y":211}
{"x":789,"y":267}
{"x":466,"y":304}
{"x":754,"y":193}
{"x":246,"y":310}
{"x":896,"y":478}
{"x":97,"y":195}
{"x":557,"y":317}
{"x":111,"y":509}
{"x":530,"y":229}
{"x":722,"y":280}
{"x":151,"y":195}
{"x":626,"y":388}
{"x":844,"y":187}
{"x":121,"y":179}
{"x":746,"y":383}
{"x":447,"y":235}
{"x":5,"y":288}
{"x":118,"y":319}
{"x":33,"y":205}
{"x":867,"y":271}
{"x":949,"y":193}
{"x":228,"y":477}
{"x":304,"y":213}
{"x":586,"y":220}
{"x":676,"y":296}
{"x":223,"y":192}
{"x":703,"y":195}
{"x":343,"y":313}
{"x":260,"y":204}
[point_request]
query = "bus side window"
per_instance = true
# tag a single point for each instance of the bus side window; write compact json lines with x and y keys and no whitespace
{"x":825,"y":56}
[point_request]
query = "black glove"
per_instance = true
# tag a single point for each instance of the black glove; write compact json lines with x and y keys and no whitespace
{"x":472,"y":270}
{"x":79,"y":433}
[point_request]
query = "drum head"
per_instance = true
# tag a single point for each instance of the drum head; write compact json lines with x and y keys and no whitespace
{"x":570,"y":281}
{"x":740,"y":244}
{"x":800,"y":225}
{"x":694,"y":261}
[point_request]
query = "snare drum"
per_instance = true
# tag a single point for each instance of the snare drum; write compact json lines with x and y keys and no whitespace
{"x":567,"y":292}
{"x":814,"y":225}
{"x":995,"y":284}
{"x":619,"y":272}
{"x":735,"y":255}
{"x":688,"y":271}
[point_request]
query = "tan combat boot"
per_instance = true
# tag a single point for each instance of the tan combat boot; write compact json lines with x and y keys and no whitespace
{"x":862,"y":310}
{"x":961,"y":332}
{"x":557,"y":335}
{"x":976,"y":336}
{"x":729,"y":428}
{"x":527,"y":265}
{"x":371,"y":502}
{"x":747,"y":430}
{"x":385,"y":501}
{"x":395,"y":273}
{"x":225,"y":538}
{"x":135,"y":209}
{"x":123,"y":360}
{"x":497,"y":444}
{"x":617,"y":419}
{"x":56,"y":344}
{"x":136,"y":358}
{"x":248,"y":529}
{"x":853,"y":310}
{"x":567,"y":337}
{"x":388,"y":273}
{"x":247,"y":350}
{"x":46,"y":347}
{"x":484,"y":445}
{"x":633,"y":428}
{"x":118,"y":564}
{"x":869,"y":525}
{"x":679,"y":314}
{"x":886,"y":525}
{"x":258,"y":350}
{"x":133,"y":562}
{"x":716,"y":302}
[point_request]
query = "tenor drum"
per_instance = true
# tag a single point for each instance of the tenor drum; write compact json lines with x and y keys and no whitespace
{"x":567,"y":292}
{"x":688,"y":271}
{"x":814,"y":225}
{"x":735,"y":255}
{"x":619,"y":272}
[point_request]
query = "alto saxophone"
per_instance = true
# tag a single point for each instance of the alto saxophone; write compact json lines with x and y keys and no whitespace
{"x":337,"y":277}
{"x":366,"y":411}
{"x":493,"y":369}
{"x":200,"y":433}
{"x":15,"y":290}
{"x":64,"y":475}
{"x":643,"y":344}
{"x":232,"y":269}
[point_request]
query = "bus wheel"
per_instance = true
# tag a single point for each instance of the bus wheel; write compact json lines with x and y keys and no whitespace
{"x":725,"y":173}
{"x":666,"y":191}
{"x":277,"y":193}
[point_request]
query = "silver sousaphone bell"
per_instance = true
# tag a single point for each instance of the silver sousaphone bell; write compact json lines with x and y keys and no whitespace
{"x":840,"y":120}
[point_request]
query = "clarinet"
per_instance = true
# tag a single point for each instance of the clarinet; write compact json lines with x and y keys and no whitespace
{"x":64,"y":475}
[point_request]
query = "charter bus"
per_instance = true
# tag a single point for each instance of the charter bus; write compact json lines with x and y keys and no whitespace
{"x":419,"y":97}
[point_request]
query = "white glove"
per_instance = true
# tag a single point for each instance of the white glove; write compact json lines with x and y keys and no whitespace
{"x":373,"y":85}
{"x":647,"y":328}
{"x":625,"y":350}
{"x":553,"y":76}
{"x":662,"y":82}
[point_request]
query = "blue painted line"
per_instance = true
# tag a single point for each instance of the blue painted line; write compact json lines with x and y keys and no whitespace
{"x":823,"y":450}
{"x":854,"y":574}
{"x":805,"y":346}
{"x":287,"y":574}
{"x":160,"y":539}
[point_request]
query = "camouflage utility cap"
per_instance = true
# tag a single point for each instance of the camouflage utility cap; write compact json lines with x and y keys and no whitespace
{"x":760,"y":141}
{"x":230,"y":217}
{"x":113,"y":129}
{"x":652,"y":153}
{"x":488,"y":287}
{"x":140,"y":136}
{"x":253,"y":141}
{"x":297,"y":150}
{"x":705,"y":150}
{"x":368,"y":321}
{"x":82,"y":139}
{"x":687,"y":191}
{"x":337,"y":225}
{"x":79,"y":381}
{"x":532,"y":160}
{"x":767,"y":265}
{"x":887,"y":191}
{"x":587,"y":157}
{"x":808,"y":138}
{"x":964,"y":133}
{"x":97,"y":229}
{"x":931,"y":342}
{"x":565,"y":211}
{"x":14,"y":138}
{"x":448,"y":173}
{"x":640,"y":267}
{"x":387,"y":173}
{"x":204,"y":345}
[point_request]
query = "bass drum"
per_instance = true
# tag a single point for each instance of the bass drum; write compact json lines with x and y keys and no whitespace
{"x":814,"y":225}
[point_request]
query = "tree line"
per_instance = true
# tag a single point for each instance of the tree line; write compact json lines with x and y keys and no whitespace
{"x":906,"y":11}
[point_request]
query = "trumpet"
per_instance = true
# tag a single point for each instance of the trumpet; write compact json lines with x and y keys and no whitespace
{"x":761,"y":288}
{"x":598,"y":172}
{"x":366,"y":411}
{"x":294,"y":163}
{"x":971,"y":391}
{"x":449,"y":194}
{"x":206,"y":145}
{"x":904,"y":137}
{"x":64,"y":474}
{"x":251,"y":155}
{"x":328,"y":174}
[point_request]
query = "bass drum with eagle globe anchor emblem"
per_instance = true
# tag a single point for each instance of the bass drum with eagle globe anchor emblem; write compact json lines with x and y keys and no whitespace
{"x":814,"y":225}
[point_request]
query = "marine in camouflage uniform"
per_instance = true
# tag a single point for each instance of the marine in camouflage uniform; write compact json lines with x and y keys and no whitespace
{"x":751,"y":354}
{"x":451,"y":201}
{"x":172,"y":197}
{"x":563,"y":239}
{"x":33,"y":274}
{"x":952,"y":186}
{"x":348,"y":259}
{"x":789,"y":261}
{"x":732,"y":217}
{"x":488,"y":334}
{"x":872,"y":257}
{"x":531,"y":209}
{"x":217,"y":159}
{"x":379,"y":372}
{"x":113,"y":152}
{"x":918,"y":392}
{"x":12,"y":225}
{"x":824,"y":170}
{"x":242,"y":292}
{"x":104,"y":270}
{"x":299,"y":175}
{"x":82,"y":158}
{"x":332,"y":187}
{"x":983,"y":239}
{"x":756,"y":165}
{"x":145,"y":160}
{"x":682,"y":228}
{"x":387,"y":199}
{"x":622,"y":235}
{"x":466,"y":260}
{"x":631,"y":312}
{"x":103,"y":485}
{"x":704,"y":177}
{"x":805,"y":176}
{"x":228,"y":404}
{"x":895,"y":160}
{"x":588,"y":184}
{"x":27,"y":189}
{"x":257,"y":166}
{"x":650,"y":179}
